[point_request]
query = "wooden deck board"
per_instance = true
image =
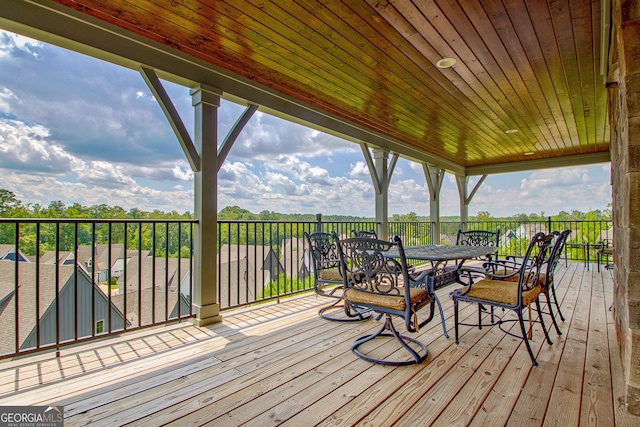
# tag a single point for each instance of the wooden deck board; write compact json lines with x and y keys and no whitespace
{"x":281,"y":364}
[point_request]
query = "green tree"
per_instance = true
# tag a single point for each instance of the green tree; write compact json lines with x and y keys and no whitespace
{"x":8,"y":202}
{"x":484,"y":216}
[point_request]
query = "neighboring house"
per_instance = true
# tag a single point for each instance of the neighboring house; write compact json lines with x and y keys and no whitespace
{"x":528,"y":230}
{"x":8,"y":252}
{"x":250,"y":266}
{"x":505,"y":239}
{"x":64,"y":258}
{"x":295,"y":258}
{"x":86,"y":261}
{"x":153,"y":306}
{"x":44,"y":295}
{"x":162,"y":273}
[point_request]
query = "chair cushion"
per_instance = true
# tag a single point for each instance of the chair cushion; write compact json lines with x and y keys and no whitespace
{"x":394,"y":302}
{"x":501,"y":291}
{"x":607,"y":251}
{"x":332,"y":274}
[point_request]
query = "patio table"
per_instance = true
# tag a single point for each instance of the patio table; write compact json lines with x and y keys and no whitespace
{"x":439,"y":256}
{"x":586,"y":248}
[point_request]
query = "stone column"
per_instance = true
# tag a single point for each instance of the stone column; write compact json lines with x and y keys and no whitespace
{"x":624,"y":103}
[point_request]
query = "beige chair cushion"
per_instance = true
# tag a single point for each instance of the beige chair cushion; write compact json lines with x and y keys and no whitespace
{"x":607,"y":251}
{"x":333,"y":274}
{"x":394,"y":302}
{"x":330,"y":274}
{"x":501,"y":291}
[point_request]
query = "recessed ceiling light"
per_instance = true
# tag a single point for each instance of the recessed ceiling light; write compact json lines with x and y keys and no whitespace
{"x":529,"y":153}
{"x":511,"y":131}
{"x":446,"y":63}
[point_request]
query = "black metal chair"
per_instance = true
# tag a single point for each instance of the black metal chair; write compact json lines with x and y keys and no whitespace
{"x":364,"y":233}
{"x":511,"y":264}
{"x":501,"y":291}
{"x":548,"y":288}
{"x":605,"y":252}
{"x":327,"y":276}
{"x":375,"y":280}
{"x":479,"y":238}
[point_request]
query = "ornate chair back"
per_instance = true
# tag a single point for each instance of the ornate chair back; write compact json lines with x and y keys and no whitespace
{"x":559,"y":244}
{"x":478,"y":238}
{"x":364,"y":233}
{"x":534,"y":264}
{"x":325,"y":257}
{"x":376,"y":277}
{"x":327,"y":274}
{"x":502,"y":291}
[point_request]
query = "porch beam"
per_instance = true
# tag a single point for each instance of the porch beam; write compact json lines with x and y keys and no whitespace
{"x":435,"y":178}
{"x":556,"y":162}
{"x":465,"y":197}
{"x":381,"y":171}
{"x":173,"y":117}
{"x":233,"y":134}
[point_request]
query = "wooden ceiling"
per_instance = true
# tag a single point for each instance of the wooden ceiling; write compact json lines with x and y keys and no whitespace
{"x":526,"y":65}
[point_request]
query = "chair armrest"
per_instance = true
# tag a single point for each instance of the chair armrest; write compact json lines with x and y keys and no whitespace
{"x":420,"y":278}
{"x":496,"y":270}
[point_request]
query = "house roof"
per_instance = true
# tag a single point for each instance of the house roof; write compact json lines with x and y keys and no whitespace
{"x":150,"y":299}
{"x":27,"y":297}
{"x":145,"y":268}
{"x":257,"y":255}
{"x":527,"y":89}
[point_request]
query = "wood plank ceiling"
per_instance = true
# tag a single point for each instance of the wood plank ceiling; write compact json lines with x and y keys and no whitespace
{"x":531,"y":66}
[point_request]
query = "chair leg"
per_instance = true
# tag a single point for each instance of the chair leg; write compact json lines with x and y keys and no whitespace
{"x":455,"y":318}
{"x":356,"y":316}
{"x":524,"y":336}
{"x":388,"y":326}
{"x":553,"y":317}
{"x":444,"y":326}
{"x":544,"y":327}
{"x":555,"y":299}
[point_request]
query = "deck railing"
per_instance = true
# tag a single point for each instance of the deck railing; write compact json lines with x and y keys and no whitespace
{"x":68,"y":280}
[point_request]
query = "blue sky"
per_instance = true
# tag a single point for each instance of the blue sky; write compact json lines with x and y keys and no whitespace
{"x":76,"y":129}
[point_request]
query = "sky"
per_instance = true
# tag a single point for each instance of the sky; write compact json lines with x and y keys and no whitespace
{"x":80,"y":130}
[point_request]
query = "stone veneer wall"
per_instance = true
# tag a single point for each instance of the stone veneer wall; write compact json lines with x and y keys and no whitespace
{"x":624,"y":103}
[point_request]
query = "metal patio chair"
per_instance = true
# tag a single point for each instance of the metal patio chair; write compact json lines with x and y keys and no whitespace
{"x":503,"y":291}
{"x":509,"y":265}
{"x":605,"y":252}
{"x":374,"y":280}
{"x":327,"y":274}
{"x":364,"y":233}
{"x":479,"y":238}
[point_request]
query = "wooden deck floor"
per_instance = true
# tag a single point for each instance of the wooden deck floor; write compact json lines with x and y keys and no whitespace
{"x":282,"y":364}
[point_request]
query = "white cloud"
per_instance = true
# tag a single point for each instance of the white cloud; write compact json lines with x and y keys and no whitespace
{"x":178,"y":170}
{"x":560,"y":177}
{"x":45,"y":189}
{"x":359,"y":170}
{"x":6,"y":99}
{"x":26,"y":147}
{"x":11,"y":41}
{"x":104,"y":174}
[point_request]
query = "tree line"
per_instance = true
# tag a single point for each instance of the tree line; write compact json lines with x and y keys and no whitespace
{"x":174,"y":239}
